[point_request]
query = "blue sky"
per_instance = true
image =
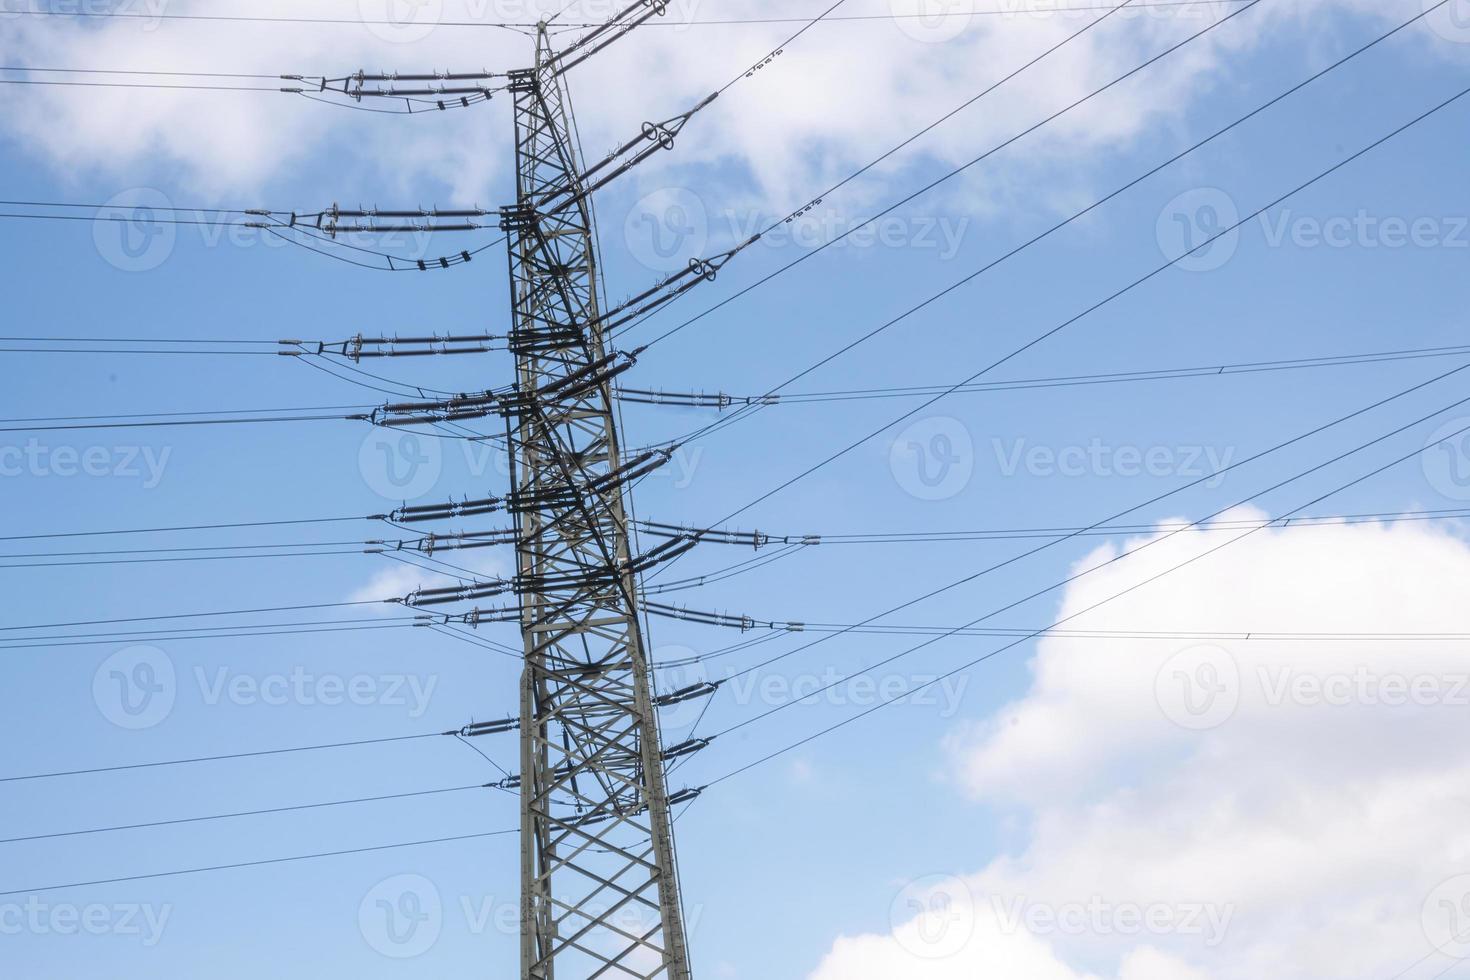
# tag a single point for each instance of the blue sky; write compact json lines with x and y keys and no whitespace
{"x":780,"y":861}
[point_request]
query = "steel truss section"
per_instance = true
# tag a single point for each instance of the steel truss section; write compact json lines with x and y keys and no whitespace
{"x":600,"y":893}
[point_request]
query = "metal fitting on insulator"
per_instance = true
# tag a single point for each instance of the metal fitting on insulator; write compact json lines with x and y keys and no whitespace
{"x":703,"y":269}
{"x":660,"y":134}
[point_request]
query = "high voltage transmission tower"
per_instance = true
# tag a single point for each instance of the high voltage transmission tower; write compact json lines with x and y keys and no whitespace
{"x":599,"y":883}
{"x":599,"y":879}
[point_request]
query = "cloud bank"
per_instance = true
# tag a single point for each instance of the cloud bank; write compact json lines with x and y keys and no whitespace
{"x":1221,"y":809}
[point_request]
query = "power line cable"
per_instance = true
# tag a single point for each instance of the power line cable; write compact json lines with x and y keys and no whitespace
{"x":137,"y":340}
{"x":1078,"y":380}
{"x":188,"y":527}
{"x":1164,"y":537}
{"x":1114,"y":530}
{"x":767,"y":59}
{"x":1072,"y":320}
{"x":221,"y":758}
{"x":102,"y":207}
{"x":639,"y":320}
{"x":680,"y":24}
{"x":105,"y":350}
{"x":813,"y":397}
{"x":100,"y":553}
{"x":1044,"y":122}
{"x":216,"y":633}
{"x":103,"y":217}
{"x":6,"y":566}
{"x":256,"y":864}
{"x":161,"y":415}
{"x":138,"y":85}
{"x":200,"y":615}
{"x":140,"y":71}
{"x":1111,"y":519}
{"x":241,"y":633}
{"x":1154,"y":578}
{"x":274,"y":223}
{"x":242,"y":813}
{"x":1250,"y":635}
{"x":205,"y":631}
{"x":176,"y":423}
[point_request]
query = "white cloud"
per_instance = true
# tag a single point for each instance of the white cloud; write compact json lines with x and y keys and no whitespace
{"x":991,"y":954}
{"x":1308,"y":828}
{"x":399,"y":579}
{"x":396,"y":581}
{"x":861,"y":87}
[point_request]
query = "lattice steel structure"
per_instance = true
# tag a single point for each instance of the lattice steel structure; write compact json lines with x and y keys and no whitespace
{"x":600,"y":893}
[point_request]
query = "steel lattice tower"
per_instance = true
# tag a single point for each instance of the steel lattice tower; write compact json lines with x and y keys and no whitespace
{"x":599,"y":885}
